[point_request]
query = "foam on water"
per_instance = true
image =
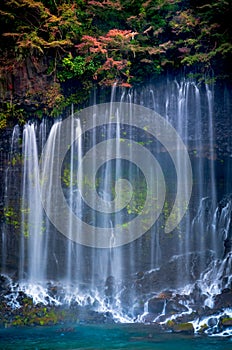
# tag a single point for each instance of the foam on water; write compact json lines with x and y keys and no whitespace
{"x":210,"y":324}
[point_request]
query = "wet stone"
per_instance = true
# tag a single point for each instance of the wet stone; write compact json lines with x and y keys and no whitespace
{"x":223,"y":300}
{"x":186,"y":328}
{"x":173,"y":307}
{"x":226,"y":321}
{"x":212,"y":322}
{"x":156,"y":305}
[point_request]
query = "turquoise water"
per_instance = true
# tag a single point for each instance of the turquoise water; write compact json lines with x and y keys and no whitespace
{"x":105,"y":337}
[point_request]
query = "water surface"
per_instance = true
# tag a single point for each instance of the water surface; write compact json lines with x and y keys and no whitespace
{"x":94,"y":337}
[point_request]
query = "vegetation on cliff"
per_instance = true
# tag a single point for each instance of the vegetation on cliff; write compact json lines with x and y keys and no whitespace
{"x":53,"y":51}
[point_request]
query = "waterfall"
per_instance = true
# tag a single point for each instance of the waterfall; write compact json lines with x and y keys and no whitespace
{"x":189,"y":107}
{"x":181,"y":104}
{"x":83,"y":183}
{"x":46,"y":167}
{"x":33,"y":249}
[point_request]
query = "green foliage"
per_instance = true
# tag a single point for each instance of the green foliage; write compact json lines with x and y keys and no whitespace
{"x":138,"y":199}
{"x":11,"y":113}
{"x":11,"y":217}
{"x":3,"y":120}
{"x":80,"y":43}
{"x":75,"y":67}
{"x":66,"y":177}
{"x":32,"y":315}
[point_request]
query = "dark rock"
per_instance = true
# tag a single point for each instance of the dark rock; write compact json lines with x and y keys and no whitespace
{"x":223,"y":300}
{"x":205,"y":311}
{"x":4,"y":284}
{"x":140,"y":275}
{"x":186,"y":318}
{"x":212,"y":322}
{"x":156,"y":305}
{"x":227,"y":246}
{"x":162,"y":318}
{"x":138,"y":309}
{"x":110,"y":286}
{"x":197,"y":294}
{"x":149,"y":318}
{"x":174,"y":307}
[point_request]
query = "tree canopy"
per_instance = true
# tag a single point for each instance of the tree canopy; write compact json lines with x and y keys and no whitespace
{"x":54,"y":51}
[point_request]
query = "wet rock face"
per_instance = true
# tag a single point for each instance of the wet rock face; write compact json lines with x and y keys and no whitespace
{"x":4,"y":286}
{"x":223,"y":300}
{"x":173,"y":307}
{"x":156,"y":306}
{"x":166,"y":275}
{"x":228,"y":243}
{"x":5,"y":137}
{"x":110,"y":286}
{"x":28,"y":91}
{"x":4,"y":283}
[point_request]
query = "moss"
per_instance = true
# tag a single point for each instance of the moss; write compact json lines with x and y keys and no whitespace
{"x":226,"y":321}
{"x":3,"y":121}
{"x":170,"y":323}
{"x":11,"y":217}
{"x":203,"y":328}
{"x":183,"y":328}
{"x":32,"y":315}
{"x":18,"y":321}
{"x":27,"y":301}
{"x":180,"y":327}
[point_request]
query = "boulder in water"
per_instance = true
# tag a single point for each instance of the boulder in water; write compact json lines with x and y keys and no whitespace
{"x":156,"y":305}
{"x":186,"y":328}
{"x":226,"y":321}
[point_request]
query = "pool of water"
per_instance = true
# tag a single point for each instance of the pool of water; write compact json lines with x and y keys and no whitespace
{"x":105,"y":337}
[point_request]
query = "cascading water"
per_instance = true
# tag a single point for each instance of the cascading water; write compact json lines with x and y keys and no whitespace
{"x":124,"y":279}
{"x":32,"y":265}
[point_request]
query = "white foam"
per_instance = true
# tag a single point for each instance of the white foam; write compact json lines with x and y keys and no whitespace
{"x":200,"y":324}
{"x":38,"y":293}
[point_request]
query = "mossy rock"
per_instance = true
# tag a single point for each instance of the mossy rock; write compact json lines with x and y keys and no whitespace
{"x":203,"y":329}
{"x":40,"y":316}
{"x":183,"y":328}
{"x":170,"y":323}
{"x":226,"y":321}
